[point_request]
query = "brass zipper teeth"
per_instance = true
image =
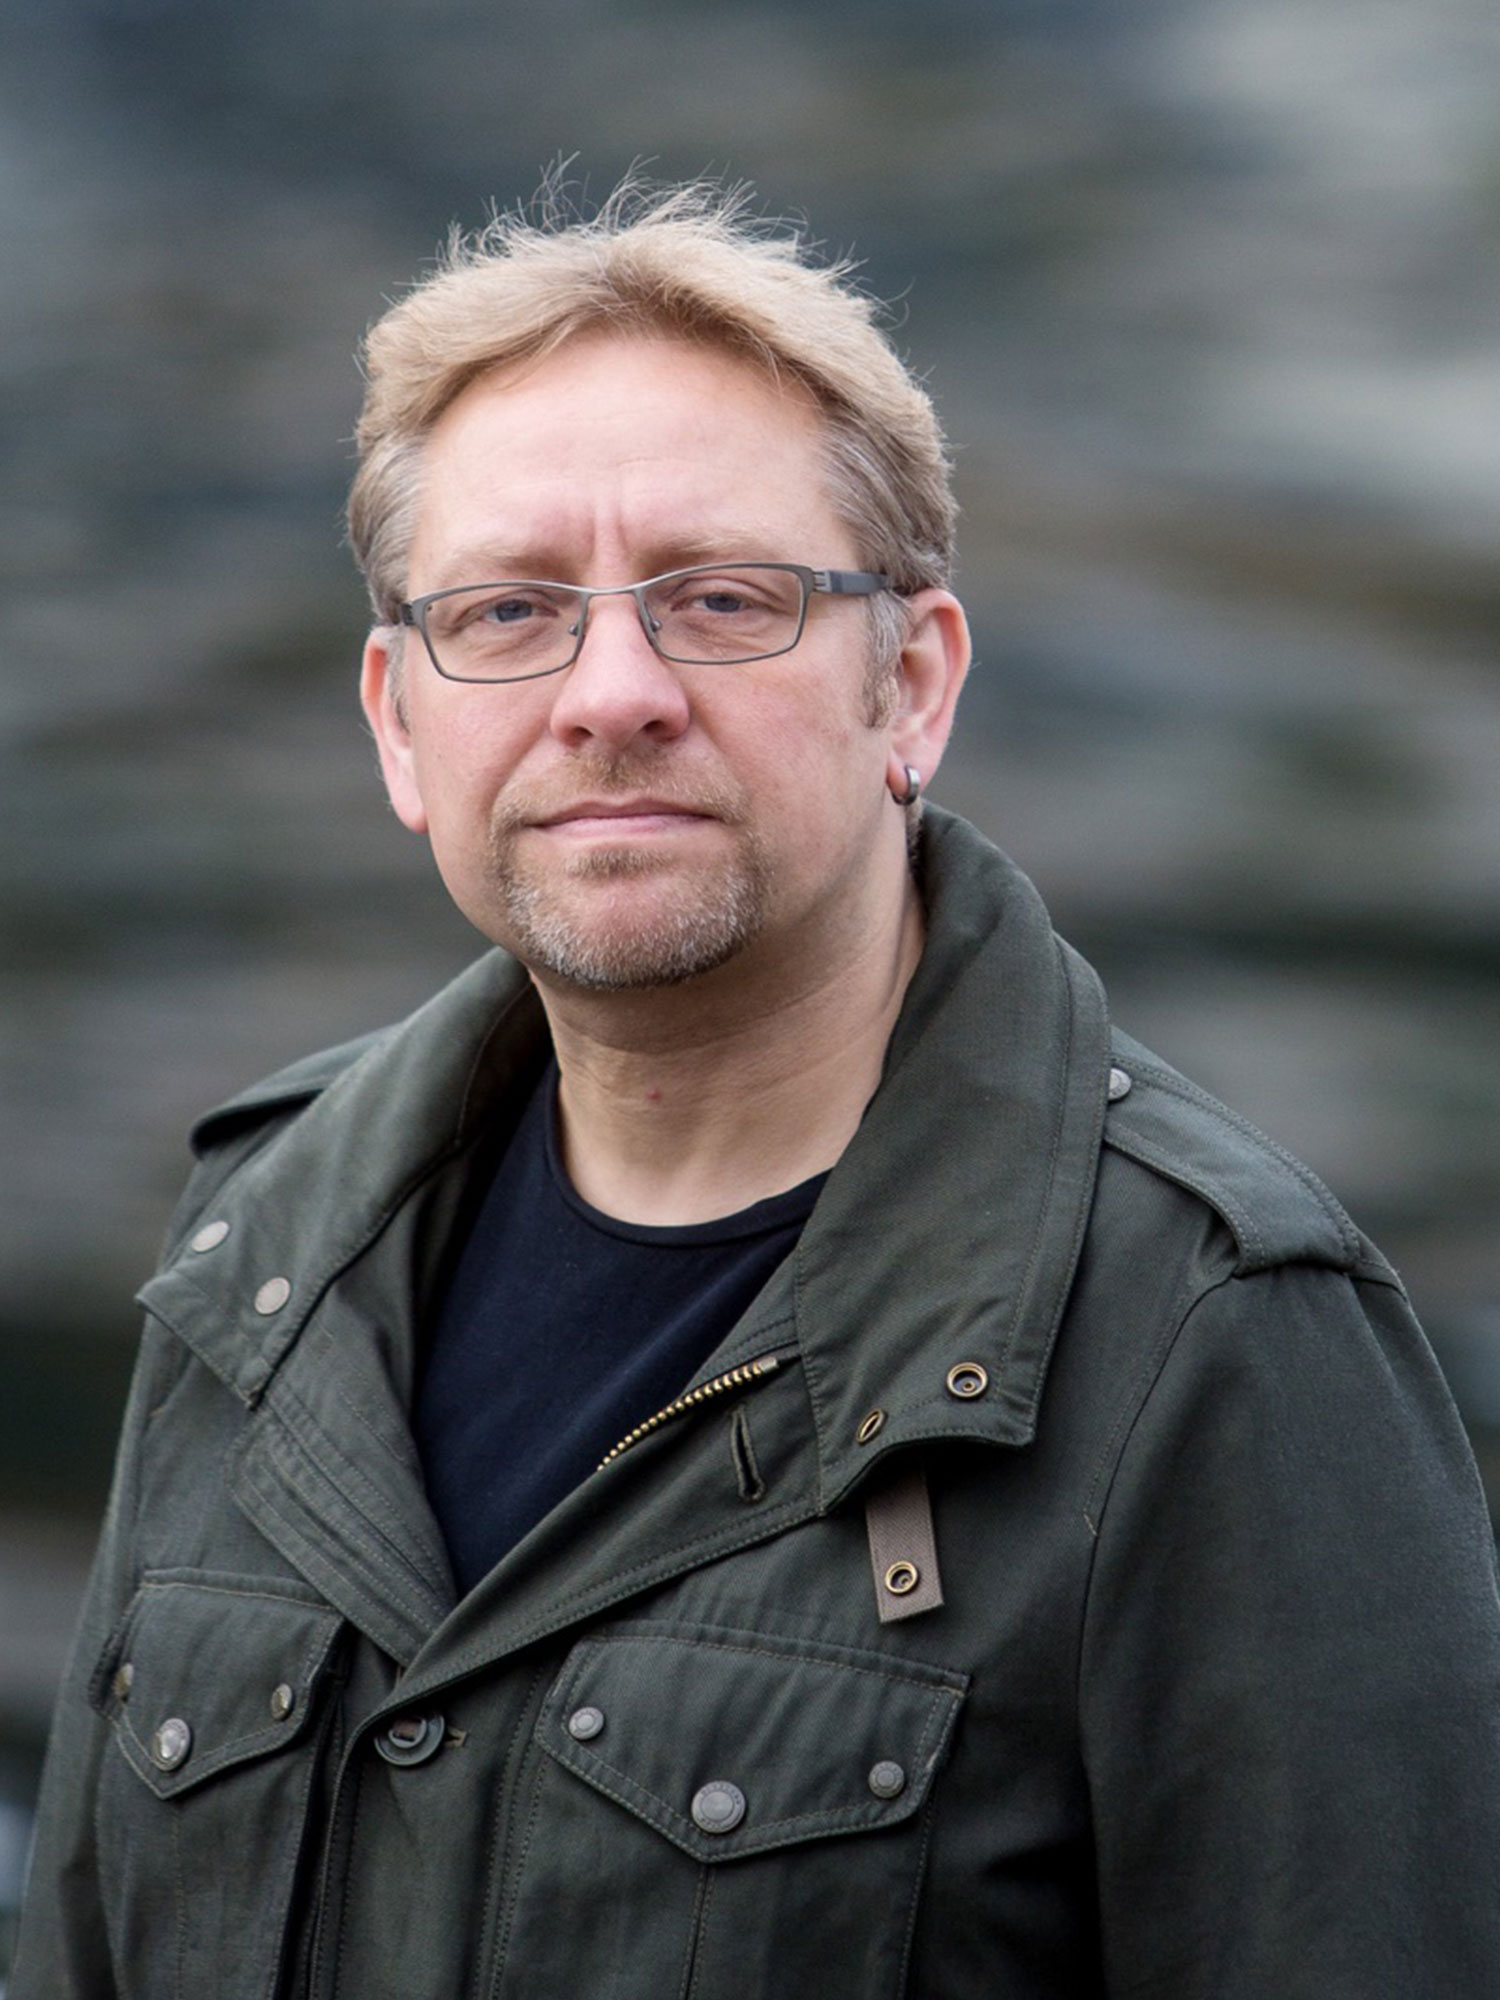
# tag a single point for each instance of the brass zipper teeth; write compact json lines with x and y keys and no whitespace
{"x":733,"y":1378}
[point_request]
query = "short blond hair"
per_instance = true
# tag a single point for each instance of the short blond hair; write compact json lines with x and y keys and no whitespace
{"x":688,"y":262}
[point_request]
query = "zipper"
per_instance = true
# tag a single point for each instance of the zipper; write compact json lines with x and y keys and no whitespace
{"x":732,"y":1378}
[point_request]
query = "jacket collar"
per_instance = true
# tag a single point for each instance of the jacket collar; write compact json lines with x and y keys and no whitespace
{"x":327,"y":1181}
{"x":951,"y":1228}
{"x":948,"y":1233}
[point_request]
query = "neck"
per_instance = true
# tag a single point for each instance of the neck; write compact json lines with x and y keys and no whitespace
{"x":685,"y":1103}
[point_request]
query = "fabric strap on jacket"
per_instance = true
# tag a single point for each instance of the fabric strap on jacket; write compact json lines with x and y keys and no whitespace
{"x":903,"y":1548}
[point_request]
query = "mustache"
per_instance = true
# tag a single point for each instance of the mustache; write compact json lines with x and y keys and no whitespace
{"x":622,"y":776}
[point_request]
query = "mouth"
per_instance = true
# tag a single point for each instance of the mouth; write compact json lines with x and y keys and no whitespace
{"x":614,"y":818}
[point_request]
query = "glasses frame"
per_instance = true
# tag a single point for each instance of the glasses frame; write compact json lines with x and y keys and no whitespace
{"x":814,"y":582}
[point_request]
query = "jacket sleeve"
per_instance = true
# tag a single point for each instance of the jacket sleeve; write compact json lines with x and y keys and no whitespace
{"x":62,"y":1950}
{"x":1290,"y":1687}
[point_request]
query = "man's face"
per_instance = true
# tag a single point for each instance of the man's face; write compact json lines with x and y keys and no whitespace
{"x":628,"y":822}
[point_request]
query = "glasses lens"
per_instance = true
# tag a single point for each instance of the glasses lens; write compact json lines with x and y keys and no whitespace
{"x":503,"y":631}
{"x":711,"y":615}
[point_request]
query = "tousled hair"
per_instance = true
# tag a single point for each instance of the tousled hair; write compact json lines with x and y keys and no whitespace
{"x":687,"y":262}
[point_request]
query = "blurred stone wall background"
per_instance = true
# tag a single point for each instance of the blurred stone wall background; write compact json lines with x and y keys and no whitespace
{"x":1206,"y":290}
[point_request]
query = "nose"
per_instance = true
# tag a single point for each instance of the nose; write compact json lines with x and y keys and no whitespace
{"x":619,"y":687}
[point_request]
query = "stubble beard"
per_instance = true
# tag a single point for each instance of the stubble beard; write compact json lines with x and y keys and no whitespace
{"x":559,"y":921}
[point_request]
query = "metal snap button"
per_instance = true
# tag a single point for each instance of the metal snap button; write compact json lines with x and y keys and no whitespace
{"x":887,"y":1779}
{"x":902,"y":1578}
{"x":283,"y":1701}
{"x":273,"y":1295}
{"x":1121,"y":1083}
{"x":872,"y":1426}
{"x":719,"y":1807}
{"x":966,"y":1380}
{"x":171,"y":1743}
{"x":585,"y":1723}
{"x":124,"y":1681}
{"x":411,"y":1739}
{"x":210,"y":1236}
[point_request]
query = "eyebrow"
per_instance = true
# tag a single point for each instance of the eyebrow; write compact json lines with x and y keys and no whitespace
{"x":484,"y":565}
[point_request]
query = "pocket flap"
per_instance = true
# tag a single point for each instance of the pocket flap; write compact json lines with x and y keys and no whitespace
{"x":731,"y":1743}
{"x":207,"y":1671}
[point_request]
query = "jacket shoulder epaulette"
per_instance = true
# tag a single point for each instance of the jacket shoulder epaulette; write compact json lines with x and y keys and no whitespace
{"x":1277,"y":1209}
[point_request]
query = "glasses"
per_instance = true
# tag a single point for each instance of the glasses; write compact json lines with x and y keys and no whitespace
{"x":715,"y":615}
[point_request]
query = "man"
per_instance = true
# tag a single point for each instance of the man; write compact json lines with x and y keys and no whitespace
{"x":750,"y":1448}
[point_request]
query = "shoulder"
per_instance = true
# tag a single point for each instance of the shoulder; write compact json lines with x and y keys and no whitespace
{"x":284,"y":1091}
{"x":431,"y":1053}
{"x":1276,"y":1209}
{"x":229,"y":1135}
{"x":371,"y":1113}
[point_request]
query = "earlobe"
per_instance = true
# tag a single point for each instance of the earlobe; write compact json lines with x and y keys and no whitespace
{"x":904,"y":782}
{"x":380,"y":697}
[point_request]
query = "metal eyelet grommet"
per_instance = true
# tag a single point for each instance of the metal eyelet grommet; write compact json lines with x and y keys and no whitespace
{"x":966,"y":1380}
{"x":871,"y":1427}
{"x":902,"y":1578}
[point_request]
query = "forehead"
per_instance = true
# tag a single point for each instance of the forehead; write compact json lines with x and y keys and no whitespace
{"x":628,"y":448}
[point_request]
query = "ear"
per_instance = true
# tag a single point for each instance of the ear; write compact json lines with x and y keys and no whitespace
{"x":380,"y":697}
{"x":930,"y":673}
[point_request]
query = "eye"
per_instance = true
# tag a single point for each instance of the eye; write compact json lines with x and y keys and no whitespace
{"x":722,"y":596}
{"x":491,"y":609}
{"x":508,"y":610}
{"x":729,"y":600}
{"x":515,"y":604}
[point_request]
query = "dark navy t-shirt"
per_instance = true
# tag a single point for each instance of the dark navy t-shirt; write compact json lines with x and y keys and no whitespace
{"x":563,"y":1329}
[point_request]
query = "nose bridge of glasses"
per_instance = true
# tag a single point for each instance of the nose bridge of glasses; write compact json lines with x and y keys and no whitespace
{"x":650,"y":624}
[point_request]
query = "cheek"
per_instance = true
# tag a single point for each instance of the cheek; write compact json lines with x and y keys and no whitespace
{"x":812,"y":716}
{"x":465,"y":753}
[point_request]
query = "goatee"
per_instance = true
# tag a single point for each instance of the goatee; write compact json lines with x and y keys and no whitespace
{"x":561,"y":920}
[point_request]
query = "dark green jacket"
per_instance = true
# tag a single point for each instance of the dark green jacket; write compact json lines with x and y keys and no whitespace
{"x":1209,"y":1708}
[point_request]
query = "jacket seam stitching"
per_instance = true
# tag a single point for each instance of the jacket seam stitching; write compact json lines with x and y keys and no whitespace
{"x":692,"y":1964}
{"x":377,"y":1564}
{"x":919,"y":1883}
{"x":513,"y":1901}
{"x":356,"y":1487}
{"x":366,"y":1579}
{"x":1128,"y":1139}
{"x":496,"y":1921}
{"x":1024,"y":1304}
{"x":622,"y":1584}
{"x":917,"y":1681}
{"x":1148,"y":1372}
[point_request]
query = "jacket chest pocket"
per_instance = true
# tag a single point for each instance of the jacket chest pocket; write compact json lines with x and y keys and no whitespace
{"x":211,"y":1685}
{"x":718,"y":1814}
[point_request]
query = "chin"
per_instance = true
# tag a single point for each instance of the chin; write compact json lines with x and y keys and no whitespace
{"x":624,"y":927}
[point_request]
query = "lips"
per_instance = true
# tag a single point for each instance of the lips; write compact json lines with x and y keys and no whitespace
{"x":599,"y":802}
{"x":635,"y":811}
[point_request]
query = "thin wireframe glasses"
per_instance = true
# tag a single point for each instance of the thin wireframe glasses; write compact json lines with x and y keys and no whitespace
{"x":712,"y":615}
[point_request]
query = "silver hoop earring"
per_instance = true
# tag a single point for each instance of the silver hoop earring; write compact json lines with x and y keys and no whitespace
{"x":913,"y":787}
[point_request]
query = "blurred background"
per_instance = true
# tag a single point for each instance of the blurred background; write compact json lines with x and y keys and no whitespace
{"x":1206,"y":291}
